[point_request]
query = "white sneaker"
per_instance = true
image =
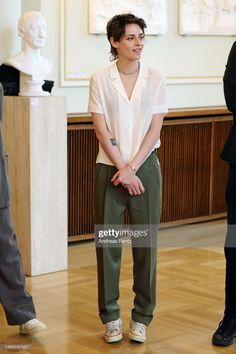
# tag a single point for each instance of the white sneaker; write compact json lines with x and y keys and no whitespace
{"x":137,"y":331}
{"x":113,"y":331}
{"x":32,"y":326}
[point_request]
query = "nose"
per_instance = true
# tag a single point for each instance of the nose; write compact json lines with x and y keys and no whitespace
{"x":42,"y":33}
{"x":139,"y":41}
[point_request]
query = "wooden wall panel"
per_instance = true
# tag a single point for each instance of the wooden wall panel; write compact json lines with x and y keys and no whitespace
{"x":82,"y":152}
{"x":185,"y":161}
{"x":193,"y":175}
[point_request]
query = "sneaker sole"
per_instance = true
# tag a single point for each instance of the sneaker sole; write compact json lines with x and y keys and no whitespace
{"x":114,"y":338}
{"x":31,"y":333}
{"x":136,"y":338}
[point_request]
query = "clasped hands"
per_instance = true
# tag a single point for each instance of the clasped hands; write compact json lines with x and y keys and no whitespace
{"x":128,"y":179}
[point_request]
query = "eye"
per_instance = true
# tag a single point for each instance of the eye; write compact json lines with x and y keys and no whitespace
{"x":38,"y":28}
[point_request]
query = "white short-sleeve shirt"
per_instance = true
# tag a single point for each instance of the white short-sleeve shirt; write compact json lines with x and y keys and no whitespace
{"x":127,"y":120}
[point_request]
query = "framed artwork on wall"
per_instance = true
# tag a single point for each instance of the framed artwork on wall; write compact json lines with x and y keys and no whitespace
{"x":153,"y":12}
{"x":74,"y":62}
{"x":207,"y":17}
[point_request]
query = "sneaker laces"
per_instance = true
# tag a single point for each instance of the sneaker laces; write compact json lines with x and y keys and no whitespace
{"x":139,"y":327}
{"x":113,"y":326}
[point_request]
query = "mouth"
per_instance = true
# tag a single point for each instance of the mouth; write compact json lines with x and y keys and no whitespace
{"x":137,"y":50}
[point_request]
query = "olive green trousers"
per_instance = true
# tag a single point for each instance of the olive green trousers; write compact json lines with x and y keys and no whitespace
{"x":110,"y":205}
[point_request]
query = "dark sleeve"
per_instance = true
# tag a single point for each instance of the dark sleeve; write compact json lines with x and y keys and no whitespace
{"x":10,"y":79}
{"x":1,"y":103}
{"x":230,"y":80}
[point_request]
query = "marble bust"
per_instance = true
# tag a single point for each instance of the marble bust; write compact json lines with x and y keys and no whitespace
{"x":29,"y":61}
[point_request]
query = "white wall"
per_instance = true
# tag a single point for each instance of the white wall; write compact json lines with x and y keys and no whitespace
{"x":9,"y":14}
{"x":174,"y":55}
{"x":29,"y":5}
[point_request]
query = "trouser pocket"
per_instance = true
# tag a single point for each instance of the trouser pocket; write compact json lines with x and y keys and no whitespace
{"x":4,"y":182}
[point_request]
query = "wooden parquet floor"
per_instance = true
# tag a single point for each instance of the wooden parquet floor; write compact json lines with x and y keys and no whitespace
{"x":190,"y":299}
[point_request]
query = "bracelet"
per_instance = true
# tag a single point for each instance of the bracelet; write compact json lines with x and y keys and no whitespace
{"x":132,"y":168}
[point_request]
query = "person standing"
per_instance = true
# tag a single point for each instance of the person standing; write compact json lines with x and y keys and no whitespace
{"x":127,"y":102}
{"x":16,"y":301}
{"x":226,"y":332}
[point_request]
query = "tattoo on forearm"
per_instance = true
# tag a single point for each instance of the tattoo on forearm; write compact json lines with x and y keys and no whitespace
{"x":113,"y":141}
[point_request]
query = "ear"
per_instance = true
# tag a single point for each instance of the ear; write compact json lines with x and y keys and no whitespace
{"x":114,"y":43}
{"x":21,"y":34}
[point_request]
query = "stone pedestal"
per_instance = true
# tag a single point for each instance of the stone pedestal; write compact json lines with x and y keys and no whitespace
{"x":35,"y":138}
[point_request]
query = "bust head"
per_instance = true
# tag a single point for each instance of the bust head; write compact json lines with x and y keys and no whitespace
{"x":32,"y":65}
{"x":33,"y":29}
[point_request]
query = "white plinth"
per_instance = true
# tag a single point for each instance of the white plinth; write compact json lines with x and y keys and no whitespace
{"x":35,"y":138}
{"x":33,"y":89}
{"x":30,"y":87}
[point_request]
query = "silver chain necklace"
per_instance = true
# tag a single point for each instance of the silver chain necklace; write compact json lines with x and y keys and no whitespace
{"x":133,"y":72}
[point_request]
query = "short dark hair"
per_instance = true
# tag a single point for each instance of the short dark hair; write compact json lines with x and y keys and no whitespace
{"x":116,"y":28}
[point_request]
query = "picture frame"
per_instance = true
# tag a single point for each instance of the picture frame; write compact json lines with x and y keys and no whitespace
{"x":207,"y":18}
{"x":152,"y":11}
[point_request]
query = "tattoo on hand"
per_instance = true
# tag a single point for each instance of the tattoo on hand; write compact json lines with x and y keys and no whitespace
{"x":113,"y":141}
